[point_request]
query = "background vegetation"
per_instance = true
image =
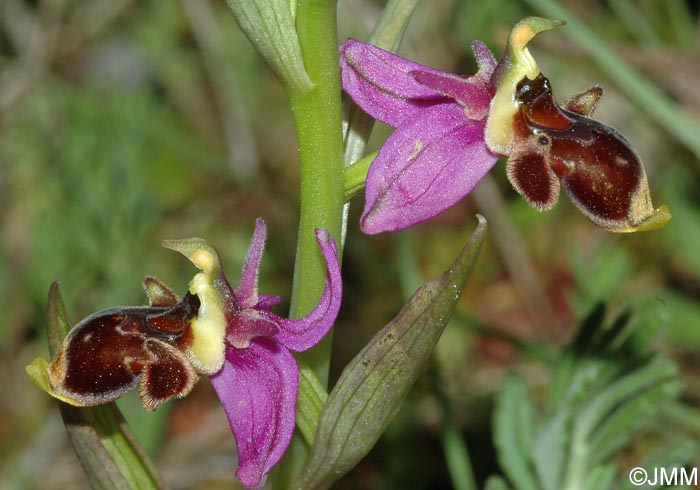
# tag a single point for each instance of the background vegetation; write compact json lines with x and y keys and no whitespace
{"x":124,"y":122}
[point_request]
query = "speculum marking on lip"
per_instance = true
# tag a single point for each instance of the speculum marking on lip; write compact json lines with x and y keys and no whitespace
{"x":598,"y":168}
{"x":108,"y":353}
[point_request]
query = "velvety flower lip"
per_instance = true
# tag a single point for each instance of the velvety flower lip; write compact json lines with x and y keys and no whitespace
{"x":450,"y":130}
{"x":257,"y":384}
{"x":437,"y":153}
{"x":228,"y":334}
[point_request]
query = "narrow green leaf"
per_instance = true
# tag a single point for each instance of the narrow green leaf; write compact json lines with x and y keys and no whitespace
{"x":636,"y":22}
{"x":551,"y":448}
{"x":374,"y":384}
{"x":269,"y":26}
{"x":655,"y":371}
{"x":513,"y":434}
{"x":457,"y":457}
{"x":107,"y":449}
{"x":312,"y":397}
{"x":630,"y":418}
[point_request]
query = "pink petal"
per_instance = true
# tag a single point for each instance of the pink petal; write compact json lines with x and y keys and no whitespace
{"x":485,"y":61}
{"x":266,"y":301}
{"x":247,"y":290}
{"x":258,"y":389}
{"x":380,"y":82}
{"x":470,"y":94}
{"x":426,"y":166}
{"x":249,"y":324}
{"x":302,"y":333}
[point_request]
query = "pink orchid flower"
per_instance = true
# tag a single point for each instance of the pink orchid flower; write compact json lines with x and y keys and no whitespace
{"x":230,"y":335}
{"x":439,"y":117}
{"x":451,"y":129}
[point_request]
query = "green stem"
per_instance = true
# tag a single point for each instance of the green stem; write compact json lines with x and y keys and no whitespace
{"x":355,"y":175}
{"x":318,"y":120}
{"x":317,"y":115}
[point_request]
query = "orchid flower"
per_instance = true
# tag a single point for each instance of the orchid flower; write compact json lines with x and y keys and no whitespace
{"x":439,"y":117}
{"x":230,"y":335}
{"x":451,"y":129}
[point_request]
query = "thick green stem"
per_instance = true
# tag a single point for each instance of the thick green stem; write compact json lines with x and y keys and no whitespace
{"x":318,"y":118}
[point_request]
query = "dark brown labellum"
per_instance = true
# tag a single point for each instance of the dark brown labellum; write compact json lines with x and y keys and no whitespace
{"x":597,"y":166}
{"x":108,"y":353}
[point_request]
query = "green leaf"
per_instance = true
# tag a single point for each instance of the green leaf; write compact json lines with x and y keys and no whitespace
{"x":269,"y":26}
{"x":626,"y":388}
{"x":513,"y":434}
{"x":374,"y":384}
{"x":551,"y":448}
{"x":312,"y":397}
{"x":457,"y":457}
{"x":107,"y":449}
{"x":630,"y":418}
{"x":603,"y":403}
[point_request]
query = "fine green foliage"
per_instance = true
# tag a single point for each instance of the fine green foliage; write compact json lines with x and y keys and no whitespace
{"x":374,"y":384}
{"x":607,"y":389}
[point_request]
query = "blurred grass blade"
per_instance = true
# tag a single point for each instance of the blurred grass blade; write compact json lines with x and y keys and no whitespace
{"x":513,"y":434}
{"x":658,"y":105}
{"x":373,"y":386}
{"x":636,"y":22}
{"x":107,"y":449}
{"x":389,"y":29}
{"x":457,"y":457}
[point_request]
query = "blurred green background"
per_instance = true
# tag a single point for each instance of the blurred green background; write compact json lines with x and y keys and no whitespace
{"x":123,"y":123}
